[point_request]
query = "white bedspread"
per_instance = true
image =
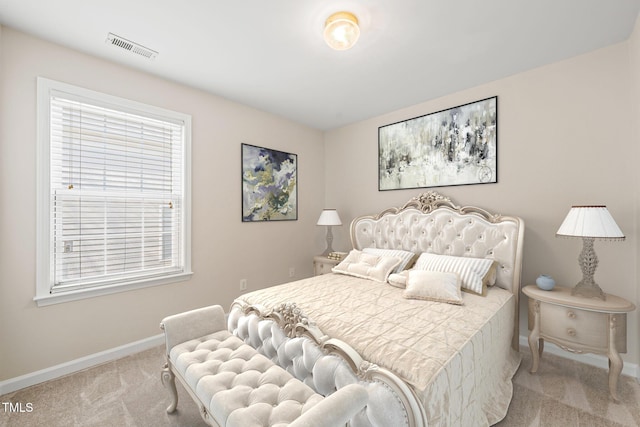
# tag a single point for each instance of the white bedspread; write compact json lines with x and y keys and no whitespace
{"x":457,"y":358}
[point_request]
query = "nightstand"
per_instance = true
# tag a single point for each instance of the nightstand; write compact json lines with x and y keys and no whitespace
{"x":579,"y":325}
{"x":323,"y":265}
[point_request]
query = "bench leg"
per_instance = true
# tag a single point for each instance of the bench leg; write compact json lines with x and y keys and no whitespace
{"x":169,"y":381}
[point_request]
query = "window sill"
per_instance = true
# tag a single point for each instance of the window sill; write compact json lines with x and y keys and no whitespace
{"x":57,"y":298}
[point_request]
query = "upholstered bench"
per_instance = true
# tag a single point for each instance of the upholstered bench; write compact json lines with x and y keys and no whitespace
{"x":234,"y":385}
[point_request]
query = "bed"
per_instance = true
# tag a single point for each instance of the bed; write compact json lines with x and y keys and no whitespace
{"x":430,"y":354}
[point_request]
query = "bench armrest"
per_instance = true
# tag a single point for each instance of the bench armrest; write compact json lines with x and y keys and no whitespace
{"x":336,"y":409}
{"x":192,"y":324}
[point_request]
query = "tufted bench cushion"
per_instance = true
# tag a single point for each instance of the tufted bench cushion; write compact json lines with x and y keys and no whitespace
{"x":324,"y":371}
{"x":237,"y":386}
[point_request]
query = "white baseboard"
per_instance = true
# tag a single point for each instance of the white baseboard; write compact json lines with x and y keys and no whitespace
{"x":599,"y":361}
{"x":13,"y":384}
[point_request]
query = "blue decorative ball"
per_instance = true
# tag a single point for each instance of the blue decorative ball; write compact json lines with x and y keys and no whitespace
{"x":545,"y":282}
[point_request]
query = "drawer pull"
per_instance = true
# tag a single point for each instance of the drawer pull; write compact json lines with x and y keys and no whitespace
{"x":571,"y":314}
{"x":571,"y":332}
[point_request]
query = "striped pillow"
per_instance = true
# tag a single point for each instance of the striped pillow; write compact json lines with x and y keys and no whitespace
{"x":406,"y":258}
{"x":474,"y":272}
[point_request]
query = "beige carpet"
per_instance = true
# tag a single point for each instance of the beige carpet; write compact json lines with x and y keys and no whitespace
{"x":128,"y":392}
{"x":565,"y":393}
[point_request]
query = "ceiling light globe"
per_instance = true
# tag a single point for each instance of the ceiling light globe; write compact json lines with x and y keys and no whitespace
{"x":341,"y":30}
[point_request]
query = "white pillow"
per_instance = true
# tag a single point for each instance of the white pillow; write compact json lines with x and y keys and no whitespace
{"x":406,"y":258}
{"x":475,"y":273}
{"x":366,"y":266}
{"x":399,"y":280}
{"x":433,"y":286}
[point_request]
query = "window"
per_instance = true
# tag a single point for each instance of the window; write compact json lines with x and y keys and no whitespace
{"x":113,"y":194}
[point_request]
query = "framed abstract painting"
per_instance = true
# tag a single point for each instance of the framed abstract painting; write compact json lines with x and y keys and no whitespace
{"x":269,"y":185}
{"x":457,"y":146}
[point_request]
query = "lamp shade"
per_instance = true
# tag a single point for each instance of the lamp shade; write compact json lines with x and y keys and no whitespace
{"x":329,"y":217}
{"x":341,"y":30}
{"x":590,"y":221}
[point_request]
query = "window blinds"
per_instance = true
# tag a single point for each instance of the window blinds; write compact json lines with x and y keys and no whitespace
{"x":116,"y":195}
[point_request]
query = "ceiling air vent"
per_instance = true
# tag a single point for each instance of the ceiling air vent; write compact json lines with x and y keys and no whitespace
{"x":131,"y":46}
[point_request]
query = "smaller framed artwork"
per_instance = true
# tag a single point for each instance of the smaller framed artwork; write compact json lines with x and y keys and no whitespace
{"x":457,"y":146}
{"x":269,"y":185}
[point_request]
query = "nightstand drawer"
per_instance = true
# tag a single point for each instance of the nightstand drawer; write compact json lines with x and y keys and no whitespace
{"x":586,"y":328}
{"x":322,"y":268}
{"x":323,"y":265}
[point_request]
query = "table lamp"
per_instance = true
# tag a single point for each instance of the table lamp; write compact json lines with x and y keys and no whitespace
{"x":329,"y":217}
{"x":590,"y":223}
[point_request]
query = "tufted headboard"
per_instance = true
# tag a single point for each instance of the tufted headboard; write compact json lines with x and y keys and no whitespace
{"x":431,"y":222}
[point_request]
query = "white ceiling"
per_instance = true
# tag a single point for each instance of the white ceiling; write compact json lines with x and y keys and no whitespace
{"x":269,"y":54}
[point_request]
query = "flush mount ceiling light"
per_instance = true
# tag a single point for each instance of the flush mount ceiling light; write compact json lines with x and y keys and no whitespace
{"x":341,"y":30}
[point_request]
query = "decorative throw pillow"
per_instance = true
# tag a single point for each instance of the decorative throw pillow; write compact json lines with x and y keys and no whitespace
{"x":406,"y":258}
{"x":366,"y":266}
{"x":492,"y":275}
{"x":475,"y":273}
{"x":433,"y":286}
{"x":399,"y":280}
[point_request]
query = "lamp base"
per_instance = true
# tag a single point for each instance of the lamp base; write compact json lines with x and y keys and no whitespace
{"x":329,"y":242}
{"x":589,"y":290}
{"x":588,"y":261}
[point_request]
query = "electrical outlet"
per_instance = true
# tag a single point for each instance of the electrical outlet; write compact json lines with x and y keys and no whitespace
{"x":243,"y":284}
{"x":292,"y":271}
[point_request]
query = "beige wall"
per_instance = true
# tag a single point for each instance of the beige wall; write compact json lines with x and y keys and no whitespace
{"x":634,"y":54}
{"x":566,"y":136}
{"x":224,"y":250}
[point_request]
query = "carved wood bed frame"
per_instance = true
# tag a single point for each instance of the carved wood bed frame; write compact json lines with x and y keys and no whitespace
{"x":296,"y":324}
{"x":449,"y":230}
{"x":508,"y":256}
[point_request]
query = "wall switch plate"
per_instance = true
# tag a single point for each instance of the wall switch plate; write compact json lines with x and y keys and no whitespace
{"x":292,"y":271}
{"x":243,"y":284}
